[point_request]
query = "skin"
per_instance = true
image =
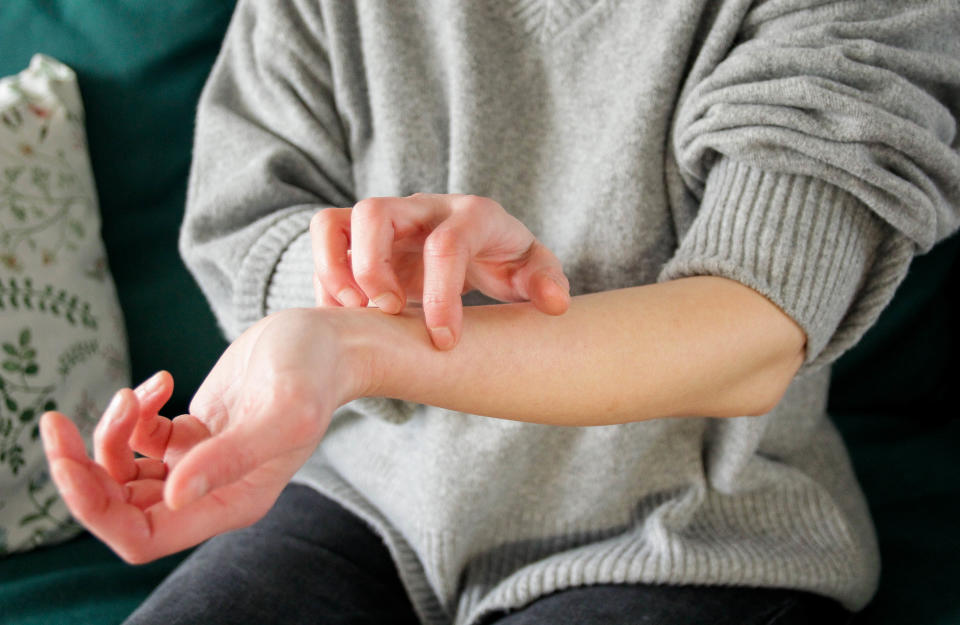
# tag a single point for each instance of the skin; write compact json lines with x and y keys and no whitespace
{"x":702,"y":346}
{"x":430,"y":249}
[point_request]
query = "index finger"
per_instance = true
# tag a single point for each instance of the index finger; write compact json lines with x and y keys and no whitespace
{"x":152,"y":431}
{"x":111,"y":438}
{"x":375,"y":225}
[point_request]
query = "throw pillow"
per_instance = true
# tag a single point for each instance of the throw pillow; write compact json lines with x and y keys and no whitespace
{"x":62,"y":344}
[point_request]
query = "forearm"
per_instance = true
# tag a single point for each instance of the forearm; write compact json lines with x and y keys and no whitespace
{"x":701,"y":346}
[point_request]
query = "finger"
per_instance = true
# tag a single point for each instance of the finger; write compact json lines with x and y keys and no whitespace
{"x":330,"y":242}
{"x":62,"y":440}
{"x":446,"y":254}
{"x":320,"y":295}
{"x":548,"y":294}
{"x":107,"y":515}
{"x":143,"y":493}
{"x":542,"y":281}
{"x":150,"y":469}
{"x":186,"y":432}
{"x":226,"y":458}
{"x":152,"y":430}
{"x":155,"y":391}
{"x":112,"y":435}
{"x":376,"y":223}
{"x":142,"y":535}
{"x":168,"y":531}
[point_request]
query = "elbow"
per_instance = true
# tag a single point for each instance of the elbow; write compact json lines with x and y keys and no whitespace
{"x":762,"y":390}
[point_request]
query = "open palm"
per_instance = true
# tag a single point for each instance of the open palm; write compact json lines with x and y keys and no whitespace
{"x":253,"y":423}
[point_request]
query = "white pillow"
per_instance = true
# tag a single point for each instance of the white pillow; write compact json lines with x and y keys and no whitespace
{"x":62,"y":343}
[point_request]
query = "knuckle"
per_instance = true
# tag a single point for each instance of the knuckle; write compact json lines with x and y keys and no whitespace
{"x":371,"y":209}
{"x":319,"y":220}
{"x":474,"y":205}
{"x":325,"y":220}
{"x":437,"y":299}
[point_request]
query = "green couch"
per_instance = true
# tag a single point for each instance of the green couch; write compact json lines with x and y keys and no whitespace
{"x":141,"y":66}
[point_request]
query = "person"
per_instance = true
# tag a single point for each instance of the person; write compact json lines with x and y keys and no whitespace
{"x":665,"y":219}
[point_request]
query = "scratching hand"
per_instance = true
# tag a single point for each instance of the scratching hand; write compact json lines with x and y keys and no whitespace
{"x":431,"y":249}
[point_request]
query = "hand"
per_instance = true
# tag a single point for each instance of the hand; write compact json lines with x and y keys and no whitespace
{"x":254,"y":421}
{"x":431,"y":248}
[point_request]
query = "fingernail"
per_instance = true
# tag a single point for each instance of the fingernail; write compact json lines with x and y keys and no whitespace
{"x":349,"y":297}
{"x":387,"y":302}
{"x":442,"y":337}
{"x":153,"y":380}
{"x":196,"y":488}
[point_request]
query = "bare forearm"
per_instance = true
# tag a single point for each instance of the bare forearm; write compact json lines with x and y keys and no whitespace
{"x":695,"y":347}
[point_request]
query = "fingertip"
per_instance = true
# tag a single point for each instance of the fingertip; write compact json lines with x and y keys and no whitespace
{"x":165,"y":378}
{"x":389,"y":303}
{"x":349,"y":297}
{"x":119,"y":411}
{"x":443,"y":338}
{"x":552,"y":296}
{"x":152,"y":394}
{"x":121,"y":401}
{"x":61,"y":438}
{"x":48,"y":429}
{"x":159,"y":380}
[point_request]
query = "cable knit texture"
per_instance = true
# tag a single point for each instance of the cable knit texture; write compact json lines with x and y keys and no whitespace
{"x":807,"y":149}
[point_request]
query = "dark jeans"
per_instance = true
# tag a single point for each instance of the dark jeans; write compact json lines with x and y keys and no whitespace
{"x":311,"y":561}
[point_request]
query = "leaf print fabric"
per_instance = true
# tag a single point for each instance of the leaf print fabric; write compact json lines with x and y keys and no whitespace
{"x":62,"y":344}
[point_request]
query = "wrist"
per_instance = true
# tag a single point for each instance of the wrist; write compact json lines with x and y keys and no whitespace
{"x":363,"y":339}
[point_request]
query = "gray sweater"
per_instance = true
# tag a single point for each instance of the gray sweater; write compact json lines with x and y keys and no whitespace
{"x":806,"y":149}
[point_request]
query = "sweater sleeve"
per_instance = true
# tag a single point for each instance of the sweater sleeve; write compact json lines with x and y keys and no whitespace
{"x":269,"y":151}
{"x":821,"y":145}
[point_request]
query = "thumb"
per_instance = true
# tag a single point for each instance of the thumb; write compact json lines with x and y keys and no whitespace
{"x":221,"y":460}
{"x":215,"y":462}
{"x":542,"y":281}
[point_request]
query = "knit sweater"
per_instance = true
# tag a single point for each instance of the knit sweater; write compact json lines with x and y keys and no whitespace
{"x":805,"y":149}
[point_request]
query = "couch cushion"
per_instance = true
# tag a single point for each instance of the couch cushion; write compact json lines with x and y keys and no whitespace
{"x":61,"y":333}
{"x":141,"y":66}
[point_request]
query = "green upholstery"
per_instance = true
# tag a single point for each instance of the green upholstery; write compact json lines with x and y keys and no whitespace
{"x":80,"y":582}
{"x":141,"y":65}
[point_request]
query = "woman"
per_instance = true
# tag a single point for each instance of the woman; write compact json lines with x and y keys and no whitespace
{"x":733,"y":189}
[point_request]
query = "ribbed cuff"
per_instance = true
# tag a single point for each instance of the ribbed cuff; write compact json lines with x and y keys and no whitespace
{"x":291,"y":285}
{"x":260,"y":264}
{"x":803,"y":243}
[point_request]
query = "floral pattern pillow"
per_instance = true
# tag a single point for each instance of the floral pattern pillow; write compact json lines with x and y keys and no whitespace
{"x":62,"y":342}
